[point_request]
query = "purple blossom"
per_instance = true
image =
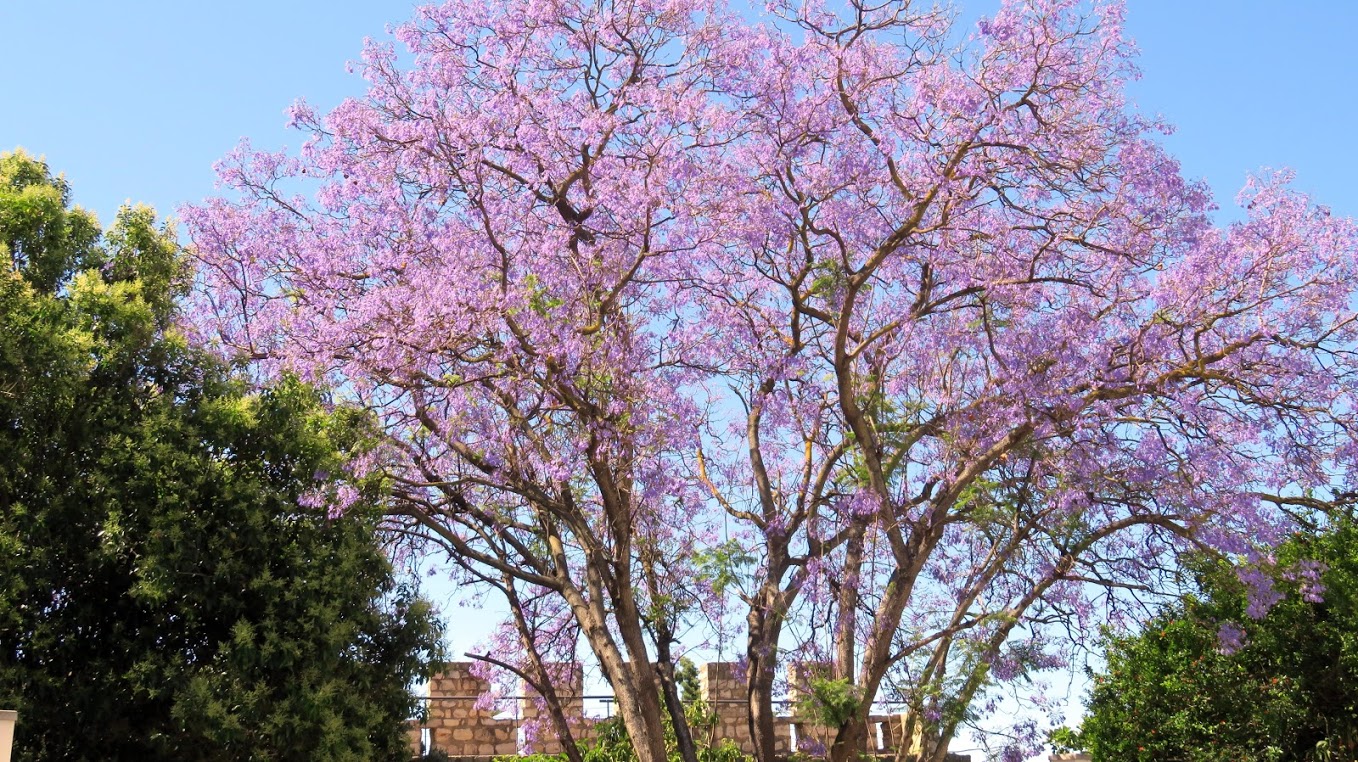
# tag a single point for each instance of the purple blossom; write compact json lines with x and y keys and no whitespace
{"x":932,"y":339}
{"x":1230,"y":638}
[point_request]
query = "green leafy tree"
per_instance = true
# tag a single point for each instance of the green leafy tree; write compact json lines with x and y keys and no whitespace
{"x":170,"y":584}
{"x":1204,"y":681}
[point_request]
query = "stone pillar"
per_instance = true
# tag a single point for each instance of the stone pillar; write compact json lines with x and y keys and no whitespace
{"x":878,"y":738}
{"x":568,"y":680}
{"x":799,"y":677}
{"x":811,"y":737}
{"x":891,"y":732}
{"x":723,"y":688}
{"x":8,"y":717}
{"x":455,"y":723}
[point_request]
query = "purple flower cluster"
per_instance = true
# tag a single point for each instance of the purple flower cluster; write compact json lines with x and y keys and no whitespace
{"x":822,"y":328}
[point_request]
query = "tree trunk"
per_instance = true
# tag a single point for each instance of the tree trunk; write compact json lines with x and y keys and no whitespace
{"x":876,"y":660}
{"x":545,"y":683}
{"x":664,"y":669}
{"x":638,"y":706}
{"x":642,"y":687}
{"x":846,"y":630}
{"x":936,"y":749}
{"x":846,"y":639}
{"x":633,"y":680}
{"x":765,"y":623}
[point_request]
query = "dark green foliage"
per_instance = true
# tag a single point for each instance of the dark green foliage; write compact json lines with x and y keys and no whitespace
{"x":163,"y":595}
{"x":1290,"y":693}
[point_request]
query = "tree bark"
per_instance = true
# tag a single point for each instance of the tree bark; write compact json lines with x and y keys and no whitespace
{"x":765,"y":625}
{"x":846,"y":630}
{"x":643,"y":694}
{"x":633,"y":680}
{"x":664,"y":668}
{"x":876,"y":660}
{"x":544,"y":682}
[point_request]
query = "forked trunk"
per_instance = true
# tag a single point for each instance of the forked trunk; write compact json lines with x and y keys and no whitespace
{"x":638,"y":706}
{"x":876,"y":661}
{"x":633,"y":680}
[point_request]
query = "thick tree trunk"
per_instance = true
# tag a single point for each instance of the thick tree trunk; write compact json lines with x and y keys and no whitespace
{"x":633,"y":680}
{"x":638,"y":705}
{"x":765,"y":625}
{"x":876,"y":660}
{"x":610,"y":580}
{"x":936,"y":749}
{"x":644,"y":684}
{"x":846,"y":628}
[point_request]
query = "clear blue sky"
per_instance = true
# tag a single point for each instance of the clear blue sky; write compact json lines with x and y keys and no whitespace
{"x":135,"y":100}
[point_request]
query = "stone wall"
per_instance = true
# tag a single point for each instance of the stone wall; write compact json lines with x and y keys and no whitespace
{"x":455,"y":723}
{"x":569,"y":684}
{"x":722,"y":686}
{"x":882,"y":730}
{"x":458,"y":727}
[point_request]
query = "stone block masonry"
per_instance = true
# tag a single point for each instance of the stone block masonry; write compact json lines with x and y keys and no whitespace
{"x":722,"y":686}
{"x":457,"y":727}
{"x":539,"y":735}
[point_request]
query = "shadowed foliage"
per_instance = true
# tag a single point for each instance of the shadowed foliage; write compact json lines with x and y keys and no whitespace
{"x":165,"y":593}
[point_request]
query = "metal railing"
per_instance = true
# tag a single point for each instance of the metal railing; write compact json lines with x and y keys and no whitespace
{"x":608,"y":699}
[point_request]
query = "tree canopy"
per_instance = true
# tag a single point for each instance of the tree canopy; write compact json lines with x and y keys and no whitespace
{"x":171,"y":586}
{"x":921,"y":322}
{"x":1210,"y":679}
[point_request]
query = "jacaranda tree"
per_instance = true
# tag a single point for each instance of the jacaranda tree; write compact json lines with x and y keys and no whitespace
{"x":921,"y":320}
